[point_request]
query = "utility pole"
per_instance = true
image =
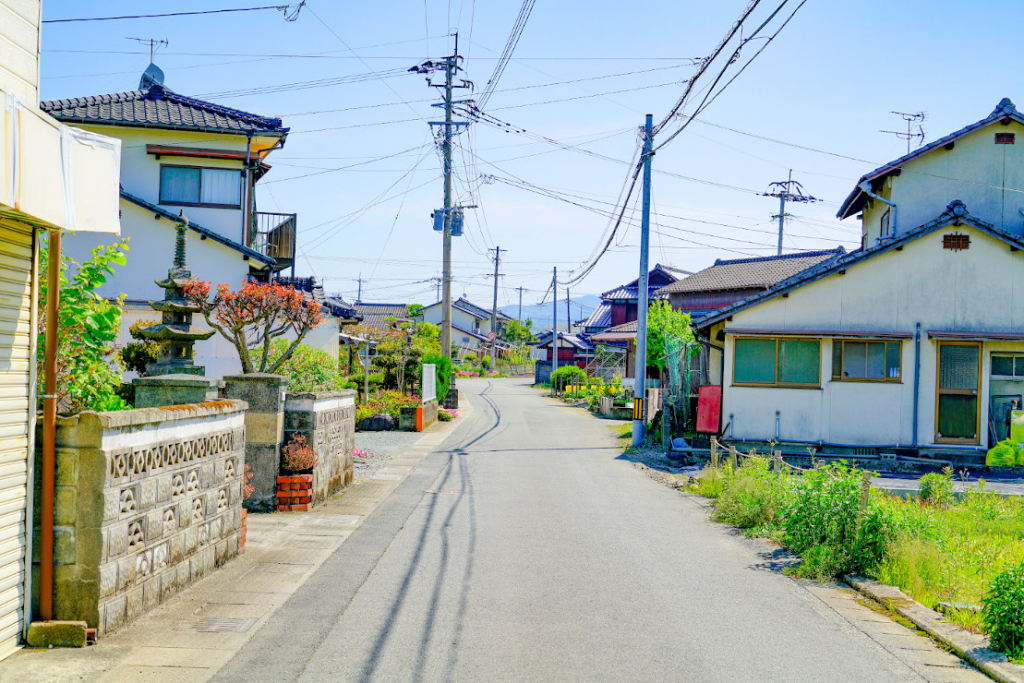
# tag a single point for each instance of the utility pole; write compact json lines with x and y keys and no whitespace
{"x":568,"y":311}
{"x":640,"y":369}
{"x":450,"y":222}
{"x":787,"y":191}
{"x":359,"y":295}
{"x":520,"y":303}
{"x":554,"y":326}
{"x":494,"y":307}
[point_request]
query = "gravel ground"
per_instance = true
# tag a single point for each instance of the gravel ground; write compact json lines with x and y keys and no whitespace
{"x":381,"y":446}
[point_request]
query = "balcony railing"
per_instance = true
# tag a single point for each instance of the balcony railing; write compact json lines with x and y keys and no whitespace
{"x":274,"y":236}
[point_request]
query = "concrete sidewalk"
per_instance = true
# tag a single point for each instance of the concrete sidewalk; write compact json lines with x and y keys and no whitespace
{"x":196,"y":633}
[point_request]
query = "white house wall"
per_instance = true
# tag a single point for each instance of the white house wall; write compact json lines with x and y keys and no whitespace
{"x":977,"y":290}
{"x":974,"y":171}
{"x":19,"y":46}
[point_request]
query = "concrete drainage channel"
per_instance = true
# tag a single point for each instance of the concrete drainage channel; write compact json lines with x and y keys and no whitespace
{"x":968,"y":646}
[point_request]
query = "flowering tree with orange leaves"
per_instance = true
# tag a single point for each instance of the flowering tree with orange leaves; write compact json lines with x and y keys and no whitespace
{"x":252,"y":317}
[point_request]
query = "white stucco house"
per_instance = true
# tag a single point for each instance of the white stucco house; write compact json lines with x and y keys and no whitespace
{"x":184,"y":155}
{"x":916,"y":340}
{"x":471,"y":324}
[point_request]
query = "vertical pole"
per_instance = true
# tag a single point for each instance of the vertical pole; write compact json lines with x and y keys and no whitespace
{"x":782,"y":210}
{"x":554,"y":326}
{"x":446,"y":148}
{"x":49,"y":428}
{"x":640,"y":371}
{"x":494,"y":307}
{"x":359,"y":294}
{"x":520,"y":304}
{"x":366,"y":374}
{"x":568,"y":311}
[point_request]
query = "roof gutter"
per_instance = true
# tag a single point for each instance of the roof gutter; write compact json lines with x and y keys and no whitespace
{"x":866,"y":189}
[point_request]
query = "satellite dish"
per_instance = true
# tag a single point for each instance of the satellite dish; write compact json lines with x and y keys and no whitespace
{"x":153,"y":75}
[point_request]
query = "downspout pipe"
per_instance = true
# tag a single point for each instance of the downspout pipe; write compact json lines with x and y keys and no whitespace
{"x":247,"y":213}
{"x":49,"y":429}
{"x":917,"y":378}
{"x":866,"y":189}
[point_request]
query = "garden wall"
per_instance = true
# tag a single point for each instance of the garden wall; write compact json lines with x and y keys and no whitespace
{"x":328,"y":421}
{"x":147,"y":501}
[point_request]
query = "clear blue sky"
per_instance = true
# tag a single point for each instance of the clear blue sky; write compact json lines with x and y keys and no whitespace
{"x":828,"y":82}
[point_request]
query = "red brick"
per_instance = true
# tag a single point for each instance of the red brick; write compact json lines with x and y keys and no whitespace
{"x":282,"y":508}
{"x":284,"y":480}
{"x":304,"y":507}
{"x":306,"y":499}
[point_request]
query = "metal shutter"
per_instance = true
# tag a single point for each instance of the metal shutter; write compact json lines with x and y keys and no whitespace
{"x":16,"y":261}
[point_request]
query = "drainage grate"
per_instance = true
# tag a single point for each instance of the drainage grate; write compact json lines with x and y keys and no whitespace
{"x":223,"y":625}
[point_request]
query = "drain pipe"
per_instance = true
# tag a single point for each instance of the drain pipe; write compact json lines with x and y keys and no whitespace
{"x":778,"y":426}
{"x":917,"y":377}
{"x":866,"y":188}
{"x":49,"y":429}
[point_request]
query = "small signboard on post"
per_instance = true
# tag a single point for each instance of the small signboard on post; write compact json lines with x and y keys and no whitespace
{"x":428,"y":383}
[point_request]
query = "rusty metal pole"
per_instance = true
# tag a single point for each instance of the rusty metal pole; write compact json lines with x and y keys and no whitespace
{"x":49,"y":428}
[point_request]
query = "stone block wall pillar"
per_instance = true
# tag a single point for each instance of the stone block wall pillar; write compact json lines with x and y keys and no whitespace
{"x":174,"y":390}
{"x":264,"y":431}
{"x":327,"y":420}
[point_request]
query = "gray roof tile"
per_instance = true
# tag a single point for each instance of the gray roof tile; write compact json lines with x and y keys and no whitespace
{"x":761,"y":272}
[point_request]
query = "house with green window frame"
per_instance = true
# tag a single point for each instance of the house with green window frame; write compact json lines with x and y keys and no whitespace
{"x":913,"y":343}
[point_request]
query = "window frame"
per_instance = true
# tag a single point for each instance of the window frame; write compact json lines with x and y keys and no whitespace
{"x":775,"y":365}
{"x":883,"y":380}
{"x":1014,"y":356}
{"x":241,"y":188}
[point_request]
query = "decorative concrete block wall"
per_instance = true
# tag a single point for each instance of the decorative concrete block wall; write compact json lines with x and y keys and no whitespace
{"x":264,"y":425}
{"x":328,"y":421}
{"x":147,"y":502}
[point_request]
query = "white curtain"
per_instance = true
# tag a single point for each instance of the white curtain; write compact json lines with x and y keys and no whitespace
{"x":221,"y":186}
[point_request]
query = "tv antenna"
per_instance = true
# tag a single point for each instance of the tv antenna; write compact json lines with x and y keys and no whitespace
{"x":787,"y":191}
{"x":910,"y":134}
{"x":153,"y":43}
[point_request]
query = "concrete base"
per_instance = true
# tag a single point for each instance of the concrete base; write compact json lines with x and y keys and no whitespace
{"x":264,"y":431}
{"x":451,"y":401}
{"x":56,"y":634}
{"x":174,"y":390}
{"x":419,"y":418}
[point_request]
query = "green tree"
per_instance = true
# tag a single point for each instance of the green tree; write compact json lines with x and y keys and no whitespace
{"x":414,"y":309}
{"x":663,"y":321}
{"x":88,"y":365}
{"x":518,"y":333}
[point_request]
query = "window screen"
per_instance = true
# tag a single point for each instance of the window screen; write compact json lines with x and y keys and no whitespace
{"x":179,"y":184}
{"x":865,"y":360}
{"x":754,"y":361}
{"x":958,"y":367}
{"x":1002,"y":365}
{"x":799,"y":361}
{"x":221,"y":186}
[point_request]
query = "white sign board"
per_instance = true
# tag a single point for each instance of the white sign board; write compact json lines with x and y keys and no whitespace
{"x":428,"y":385}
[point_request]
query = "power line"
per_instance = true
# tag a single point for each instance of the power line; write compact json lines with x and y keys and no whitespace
{"x":288,"y":15}
{"x":506,"y":53}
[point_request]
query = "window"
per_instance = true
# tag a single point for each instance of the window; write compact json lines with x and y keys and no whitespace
{"x":1005,"y":138}
{"x":956,"y":242}
{"x":871,"y":361}
{"x":1006,"y":365}
{"x":777,"y":362}
{"x":200,"y":186}
{"x":886,"y":223}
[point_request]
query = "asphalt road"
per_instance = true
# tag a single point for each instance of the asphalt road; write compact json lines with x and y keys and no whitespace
{"x":527,"y":549}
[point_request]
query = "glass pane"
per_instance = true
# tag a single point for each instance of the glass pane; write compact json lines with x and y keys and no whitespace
{"x":179,"y":184}
{"x":958,"y":416}
{"x":221,"y":186}
{"x":958,"y":367}
{"x":837,"y":358}
{"x":754,"y":361}
{"x":799,"y":361}
{"x":854,"y":360}
{"x":1003,"y":365}
{"x":874,"y":361}
{"x":1018,"y":370}
{"x":892,"y":360}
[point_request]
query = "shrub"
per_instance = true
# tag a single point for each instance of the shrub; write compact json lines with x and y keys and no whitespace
{"x":1003,"y":454}
{"x":298,"y":456}
{"x":444,"y":373}
{"x":138,"y":354}
{"x":247,"y":487}
{"x":1003,"y":612}
{"x":566,"y":375}
{"x":470,"y":357}
{"x":936,"y":488}
{"x":308,"y":368}
{"x":485,"y":362}
{"x":824,"y":523}
{"x":390,"y":402}
{"x":446,"y":415}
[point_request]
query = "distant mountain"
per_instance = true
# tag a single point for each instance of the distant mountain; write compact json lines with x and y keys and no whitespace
{"x":581,"y":306}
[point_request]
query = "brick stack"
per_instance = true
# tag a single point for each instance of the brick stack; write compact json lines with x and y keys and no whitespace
{"x":295,"y":493}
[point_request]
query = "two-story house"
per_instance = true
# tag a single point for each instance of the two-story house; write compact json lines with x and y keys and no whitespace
{"x":914,"y":342}
{"x":471,"y":324}
{"x":619,"y":306}
{"x":182,"y":155}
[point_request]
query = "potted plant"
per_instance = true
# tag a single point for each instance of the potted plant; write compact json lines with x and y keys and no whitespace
{"x":296,"y":485}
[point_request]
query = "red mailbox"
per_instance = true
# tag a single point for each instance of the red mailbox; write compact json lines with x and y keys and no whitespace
{"x":709,"y":409}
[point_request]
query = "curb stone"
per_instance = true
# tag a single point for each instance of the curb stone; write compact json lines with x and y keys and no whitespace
{"x":968,"y":646}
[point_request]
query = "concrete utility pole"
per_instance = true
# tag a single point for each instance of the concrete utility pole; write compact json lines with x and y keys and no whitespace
{"x":494,"y":306}
{"x":554,"y":326}
{"x":520,"y":303}
{"x":568,"y":311}
{"x":359,"y":295}
{"x":640,"y":370}
{"x":787,"y":191}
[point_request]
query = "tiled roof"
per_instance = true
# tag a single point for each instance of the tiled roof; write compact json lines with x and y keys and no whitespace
{"x":630,"y":292}
{"x":748,"y":273}
{"x":955,"y":214}
{"x":624,"y":327}
{"x":601,"y":317}
{"x":158,"y":107}
{"x":1005,"y":110}
{"x":571,"y":339}
{"x":472,"y":309}
{"x":400,"y":311}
